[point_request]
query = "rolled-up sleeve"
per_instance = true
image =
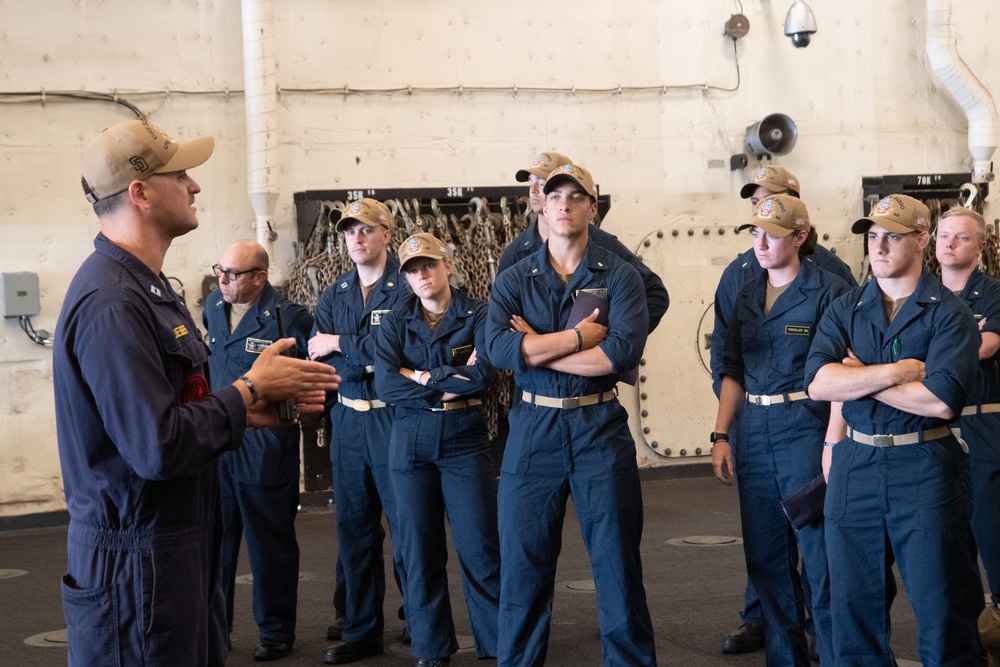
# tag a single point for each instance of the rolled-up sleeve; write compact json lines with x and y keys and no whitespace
{"x":953,"y":358}
{"x":628,"y":319}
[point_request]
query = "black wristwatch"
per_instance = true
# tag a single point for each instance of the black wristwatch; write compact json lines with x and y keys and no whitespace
{"x":718,"y":436}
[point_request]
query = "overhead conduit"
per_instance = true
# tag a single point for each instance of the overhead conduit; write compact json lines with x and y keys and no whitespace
{"x":968,"y":91}
{"x":262,"y":118}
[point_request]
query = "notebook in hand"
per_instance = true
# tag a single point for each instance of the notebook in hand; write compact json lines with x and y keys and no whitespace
{"x":583,"y":306}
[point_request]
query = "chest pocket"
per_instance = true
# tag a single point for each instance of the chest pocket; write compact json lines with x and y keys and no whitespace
{"x":774,"y":351}
{"x":791,"y":342}
{"x":186,"y":354}
{"x":913,"y":342}
{"x":544,"y":305}
{"x":460,"y":354}
{"x":419,"y":355}
{"x":542,"y":320}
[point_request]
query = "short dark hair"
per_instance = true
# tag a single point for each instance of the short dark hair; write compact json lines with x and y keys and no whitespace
{"x":809,"y":247}
{"x":109,"y":204}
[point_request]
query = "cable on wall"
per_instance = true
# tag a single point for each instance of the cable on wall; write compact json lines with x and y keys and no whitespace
{"x":43,"y":96}
{"x":40,"y":337}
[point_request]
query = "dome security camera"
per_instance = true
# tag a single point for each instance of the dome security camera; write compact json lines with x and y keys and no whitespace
{"x":800,"y":24}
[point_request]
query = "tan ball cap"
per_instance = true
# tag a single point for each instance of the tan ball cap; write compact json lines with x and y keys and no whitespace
{"x":775,"y":179}
{"x":543,"y":165}
{"x":421,"y":245}
{"x":369,"y":211}
{"x":134,"y":151}
{"x":571,"y":172}
{"x":779,"y":216}
{"x":897,"y":214}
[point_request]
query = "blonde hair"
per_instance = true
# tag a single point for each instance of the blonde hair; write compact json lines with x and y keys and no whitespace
{"x":956,"y":211}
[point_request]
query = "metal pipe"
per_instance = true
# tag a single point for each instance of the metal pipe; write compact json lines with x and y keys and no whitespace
{"x":968,"y":91}
{"x":262,"y":119}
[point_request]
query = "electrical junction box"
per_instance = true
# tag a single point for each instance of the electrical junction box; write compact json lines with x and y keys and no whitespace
{"x":19,"y":294}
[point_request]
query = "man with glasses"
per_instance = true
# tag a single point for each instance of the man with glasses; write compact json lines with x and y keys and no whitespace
{"x":901,"y":352}
{"x":348,"y":316}
{"x":259,"y":482}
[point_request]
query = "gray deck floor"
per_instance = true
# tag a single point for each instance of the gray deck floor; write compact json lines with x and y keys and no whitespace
{"x":694,"y":592}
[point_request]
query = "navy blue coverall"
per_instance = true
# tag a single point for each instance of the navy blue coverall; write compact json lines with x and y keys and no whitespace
{"x":553,"y":452}
{"x":259,"y":481}
{"x":734,"y":277}
{"x":657,"y":300}
{"x":980,"y":424}
{"x":359,"y":447}
{"x":737,"y":274}
{"x":439,"y":462}
{"x":778,"y":451}
{"x":911,"y":501}
{"x":139,"y":441}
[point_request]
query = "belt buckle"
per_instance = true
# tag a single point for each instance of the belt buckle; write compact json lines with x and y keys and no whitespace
{"x":882,"y":441}
{"x":762,"y":400}
{"x":362,"y":406}
{"x":570,"y":403}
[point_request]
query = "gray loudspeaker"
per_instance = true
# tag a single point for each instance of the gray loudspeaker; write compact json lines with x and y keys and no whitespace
{"x":774,"y":135}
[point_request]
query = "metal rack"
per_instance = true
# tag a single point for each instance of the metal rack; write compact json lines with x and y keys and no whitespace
{"x":449,"y":199}
{"x":925,"y":187}
{"x":477,"y":222}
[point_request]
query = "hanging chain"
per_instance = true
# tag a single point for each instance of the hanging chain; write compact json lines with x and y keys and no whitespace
{"x":476,"y":240}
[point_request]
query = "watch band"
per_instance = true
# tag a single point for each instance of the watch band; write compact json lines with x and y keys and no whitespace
{"x":718,"y":436}
{"x":253,"y":390}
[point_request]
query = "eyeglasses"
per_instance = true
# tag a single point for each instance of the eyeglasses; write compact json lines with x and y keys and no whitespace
{"x":229,"y":273}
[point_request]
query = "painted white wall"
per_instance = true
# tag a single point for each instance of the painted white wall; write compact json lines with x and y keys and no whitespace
{"x":862,"y":95}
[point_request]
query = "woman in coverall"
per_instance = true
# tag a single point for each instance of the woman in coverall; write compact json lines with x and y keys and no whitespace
{"x":780,"y":445}
{"x":428,"y":365}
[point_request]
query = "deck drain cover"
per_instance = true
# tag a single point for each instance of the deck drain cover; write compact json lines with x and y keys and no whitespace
{"x":705,"y":541}
{"x":10,"y":574}
{"x":55,"y":638}
{"x":577,"y":586}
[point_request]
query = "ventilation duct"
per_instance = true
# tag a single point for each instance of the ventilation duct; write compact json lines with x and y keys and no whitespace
{"x":968,"y":92}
